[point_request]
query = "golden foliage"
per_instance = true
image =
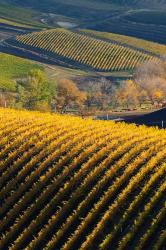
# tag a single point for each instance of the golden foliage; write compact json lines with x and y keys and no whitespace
{"x":69,"y":183}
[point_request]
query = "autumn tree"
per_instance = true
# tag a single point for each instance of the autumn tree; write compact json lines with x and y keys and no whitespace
{"x":127,"y":94}
{"x":151,"y":78}
{"x":68,"y":96}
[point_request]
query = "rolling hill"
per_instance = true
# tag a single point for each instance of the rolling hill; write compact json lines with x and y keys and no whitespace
{"x":68,"y":183}
{"x":19,"y":17}
{"x":80,"y":49}
{"x":141,"y":19}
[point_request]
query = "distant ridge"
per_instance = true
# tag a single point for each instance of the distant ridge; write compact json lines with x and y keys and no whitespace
{"x":140,"y":3}
{"x":147,"y":3}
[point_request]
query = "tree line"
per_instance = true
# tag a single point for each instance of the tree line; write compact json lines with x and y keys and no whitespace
{"x":36,"y":92}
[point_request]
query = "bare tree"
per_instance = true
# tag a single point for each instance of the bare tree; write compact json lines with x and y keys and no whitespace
{"x":99,"y":93}
{"x":151,"y":78}
{"x":127,"y":94}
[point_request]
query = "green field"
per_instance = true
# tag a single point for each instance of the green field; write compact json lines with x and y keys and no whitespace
{"x":17,"y":16}
{"x":11,"y":68}
{"x":14,"y":23}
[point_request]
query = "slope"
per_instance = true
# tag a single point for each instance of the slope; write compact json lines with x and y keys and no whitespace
{"x":68,"y":183}
{"x":11,"y":68}
{"x":79,"y":49}
{"x":157,"y":118}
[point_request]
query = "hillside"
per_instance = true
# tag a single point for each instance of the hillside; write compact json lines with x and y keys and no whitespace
{"x":144,"y":45}
{"x":68,"y":183}
{"x":141,"y":19}
{"x":19,"y":17}
{"x":12,"y":68}
{"x":138,"y":3}
{"x":157,"y":118}
{"x":79,"y":49}
{"x":147,"y":3}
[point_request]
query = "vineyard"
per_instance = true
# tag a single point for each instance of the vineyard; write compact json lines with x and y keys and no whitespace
{"x":68,"y":183}
{"x":144,"y":45}
{"x":85,"y":50}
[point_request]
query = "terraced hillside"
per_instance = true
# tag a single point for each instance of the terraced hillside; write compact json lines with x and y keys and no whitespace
{"x":85,"y":50}
{"x":68,"y":183}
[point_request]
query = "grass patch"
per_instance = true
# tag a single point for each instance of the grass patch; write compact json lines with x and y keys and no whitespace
{"x":13,"y":23}
{"x":12,"y":67}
